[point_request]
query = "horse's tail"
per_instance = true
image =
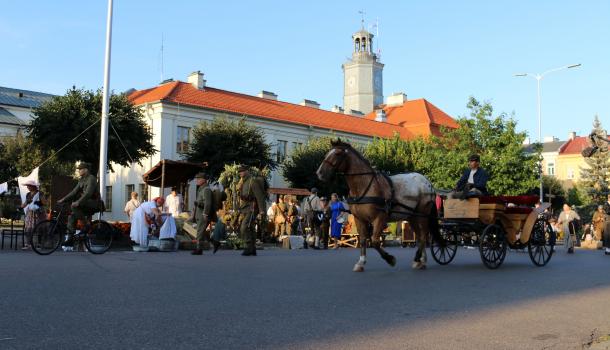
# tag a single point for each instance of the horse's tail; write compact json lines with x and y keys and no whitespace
{"x":433,"y":223}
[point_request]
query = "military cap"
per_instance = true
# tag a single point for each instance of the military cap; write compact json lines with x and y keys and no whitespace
{"x":323,"y":199}
{"x":474,"y":157}
{"x":314,"y":190}
{"x":243,"y":167}
{"x":202,"y":176}
{"x":83,"y":165}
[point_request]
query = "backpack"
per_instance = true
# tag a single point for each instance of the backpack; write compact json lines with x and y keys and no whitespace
{"x":218,"y":196}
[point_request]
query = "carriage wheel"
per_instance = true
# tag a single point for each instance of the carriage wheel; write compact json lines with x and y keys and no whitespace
{"x":541,"y":243}
{"x":444,"y":250}
{"x":492,"y":246}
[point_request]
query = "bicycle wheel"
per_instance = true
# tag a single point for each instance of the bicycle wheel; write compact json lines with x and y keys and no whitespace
{"x":47,"y":236}
{"x":99,"y":238}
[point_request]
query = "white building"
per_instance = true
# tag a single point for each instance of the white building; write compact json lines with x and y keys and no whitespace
{"x":173,"y":108}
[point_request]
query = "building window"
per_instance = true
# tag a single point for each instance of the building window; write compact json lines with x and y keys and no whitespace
{"x":128,"y":190}
{"x":296,"y":145}
{"x":570,"y":173}
{"x":108,"y":201}
{"x":281,"y":150}
{"x":182,"y":139}
{"x":143,"y":193}
{"x":550,"y":169}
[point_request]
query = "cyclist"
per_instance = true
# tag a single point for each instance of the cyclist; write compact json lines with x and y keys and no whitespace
{"x":85,"y":199}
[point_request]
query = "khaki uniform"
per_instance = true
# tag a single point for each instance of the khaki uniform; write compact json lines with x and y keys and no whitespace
{"x":279,"y":216}
{"x":87,"y":200}
{"x":203,"y":213}
{"x":292,"y":225}
{"x":251,"y":201}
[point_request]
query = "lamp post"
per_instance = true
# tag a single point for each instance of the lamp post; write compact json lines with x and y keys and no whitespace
{"x":538,"y":78}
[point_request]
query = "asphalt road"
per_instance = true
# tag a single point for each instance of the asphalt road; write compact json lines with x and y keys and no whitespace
{"x":299,"y":300}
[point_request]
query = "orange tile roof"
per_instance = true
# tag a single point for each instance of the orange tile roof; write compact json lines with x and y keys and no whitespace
{"x":574,"y":146}
{"x":419,"y":116}
{"x":216,"y":99}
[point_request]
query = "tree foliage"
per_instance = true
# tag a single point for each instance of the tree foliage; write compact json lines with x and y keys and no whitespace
{"x":65,"y":117}
{"x":395,"y":155}
{"x":594,"y":177}
{"x":223,"y":141}
{"x":299,"y":168}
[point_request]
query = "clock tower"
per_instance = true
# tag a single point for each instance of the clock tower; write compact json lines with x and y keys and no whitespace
{"x":362,"y":76}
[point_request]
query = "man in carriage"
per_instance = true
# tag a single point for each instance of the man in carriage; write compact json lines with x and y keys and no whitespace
{"x":473,"y":181}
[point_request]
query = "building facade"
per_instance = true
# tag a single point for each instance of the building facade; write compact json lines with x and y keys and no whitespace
{"x":16,"y":107}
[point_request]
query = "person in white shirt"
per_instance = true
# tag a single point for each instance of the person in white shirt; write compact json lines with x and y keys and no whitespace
{"x":173,"y":203}
{"x":132,"y":205}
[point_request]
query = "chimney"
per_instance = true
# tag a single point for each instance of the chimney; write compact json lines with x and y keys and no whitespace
{"x":396,"y":99}
{"x":550,"y":139}
{"x":267,"y":95}
{"x":571,"y":135}
{"x":196,"y":79}
{"x":310,"y":103}
{"x":336,"y":109}
{"x":380,"y":116}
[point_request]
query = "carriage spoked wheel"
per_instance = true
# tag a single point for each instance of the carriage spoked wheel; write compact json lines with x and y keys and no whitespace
{"x":444,"y":249}
{"x":541,"y":243}
{"x":492,"y":246}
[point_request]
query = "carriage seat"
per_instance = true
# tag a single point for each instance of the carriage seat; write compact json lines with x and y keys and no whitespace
{"x":518,"y":210}
{"x":517,"y":200}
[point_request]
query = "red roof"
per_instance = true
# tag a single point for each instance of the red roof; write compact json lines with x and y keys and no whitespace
{"x":216,"y":99}
{"x":419,"y":116}
{"x":575,"y":145}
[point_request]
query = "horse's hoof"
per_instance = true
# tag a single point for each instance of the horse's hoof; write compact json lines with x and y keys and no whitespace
{"x":358,"y":268}
{"x":391,"y":260}
{"x":415,"y":265}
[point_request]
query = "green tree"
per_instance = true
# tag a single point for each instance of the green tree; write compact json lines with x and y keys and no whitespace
{"x":594,"y":177}
{"x":299,"y":168}
{"x":223,"y":141}
{"x":552,"y":186}
{"x":495,"y":139}
{"x":395,"y":155}
{"x":65,"y":117}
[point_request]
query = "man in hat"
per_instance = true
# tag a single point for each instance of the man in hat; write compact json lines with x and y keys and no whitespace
{"x":203,"y":212}
{"x":85,"y":199}
{"x":251,"y":192}
{"x":311,"y":208}
{"x":474,"y":179}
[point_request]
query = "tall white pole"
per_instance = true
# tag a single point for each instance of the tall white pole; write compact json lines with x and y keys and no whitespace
{"x":538,"y":78}
{"x":105,"y":106}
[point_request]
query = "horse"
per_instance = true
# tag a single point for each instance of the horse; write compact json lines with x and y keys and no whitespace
{"x":376,"y":198}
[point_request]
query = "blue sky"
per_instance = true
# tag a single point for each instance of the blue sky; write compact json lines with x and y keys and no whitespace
{"x":444,"y":51}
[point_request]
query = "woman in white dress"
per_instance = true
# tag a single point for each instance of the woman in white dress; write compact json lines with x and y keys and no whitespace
{"x":144,"y":216}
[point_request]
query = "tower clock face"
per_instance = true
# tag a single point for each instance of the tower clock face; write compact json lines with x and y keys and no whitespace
{"x":351,"y":81}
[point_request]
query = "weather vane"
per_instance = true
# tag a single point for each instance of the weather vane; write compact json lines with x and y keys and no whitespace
{"x":361,"y":12}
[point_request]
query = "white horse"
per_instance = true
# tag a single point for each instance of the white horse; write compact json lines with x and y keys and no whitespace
{"x":376,"y":198}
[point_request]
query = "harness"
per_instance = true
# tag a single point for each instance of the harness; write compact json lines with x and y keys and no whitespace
{"x":387,"y":205}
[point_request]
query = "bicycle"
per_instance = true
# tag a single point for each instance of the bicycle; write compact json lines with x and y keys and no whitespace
{"x":48,"y":235}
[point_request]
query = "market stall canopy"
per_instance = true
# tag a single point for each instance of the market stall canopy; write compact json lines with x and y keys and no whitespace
{"x":290,"y":191}
{"x":170,"y":173}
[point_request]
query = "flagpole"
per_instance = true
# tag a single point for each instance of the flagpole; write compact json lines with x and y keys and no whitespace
{"x":105,"y":106}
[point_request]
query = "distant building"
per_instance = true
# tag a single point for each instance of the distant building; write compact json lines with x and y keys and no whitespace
{"x":570,"y":160}
{"x":16,"y":109}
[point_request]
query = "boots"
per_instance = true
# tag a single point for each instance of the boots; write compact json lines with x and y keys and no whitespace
{"x":249,"y":251}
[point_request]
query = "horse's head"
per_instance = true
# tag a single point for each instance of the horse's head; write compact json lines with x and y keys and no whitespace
{"x":335,"y":160}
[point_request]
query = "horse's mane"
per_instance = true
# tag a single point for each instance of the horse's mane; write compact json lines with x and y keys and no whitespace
{"x":345,"y":145}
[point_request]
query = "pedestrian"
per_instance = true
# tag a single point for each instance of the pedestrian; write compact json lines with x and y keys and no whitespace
{"x":336,"y":225}
{"x":568,"y":219}
{"x":323,"y":217}
{"x":292,"y":223}
{"x":598,"y":221}
{"x":311,"y":208}
{"x":203,"y":213}
{"x":131,"y":205}
{"x":280,"y":216}
{"x":607,"y":226}
{"x":146,"y":217}
{"x":173,"y":203}
{"x":251,"y":193}
{"x":33,"y":209}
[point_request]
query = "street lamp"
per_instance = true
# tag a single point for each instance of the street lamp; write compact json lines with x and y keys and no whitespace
{"x":538,"y":78}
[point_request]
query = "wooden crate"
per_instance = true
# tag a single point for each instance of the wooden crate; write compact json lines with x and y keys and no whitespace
{"x":461,"y":209}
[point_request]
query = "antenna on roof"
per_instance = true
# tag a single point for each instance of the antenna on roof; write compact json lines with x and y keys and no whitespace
{"x":161,"y":53}
{"x":361,"y":12}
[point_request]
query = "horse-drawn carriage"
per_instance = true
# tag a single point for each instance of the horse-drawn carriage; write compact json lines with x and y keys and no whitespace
{"x":493,"y":224}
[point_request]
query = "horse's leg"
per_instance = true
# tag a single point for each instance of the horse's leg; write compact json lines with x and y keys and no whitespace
{"x":363,"y":232}
{"x":422,"y":231}
{"x":378,"y":226}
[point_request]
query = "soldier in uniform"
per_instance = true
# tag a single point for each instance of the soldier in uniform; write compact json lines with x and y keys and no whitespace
{"x":251,"y":207}
{"x":86,"y":198}
{"x":280,"y":216}
{"x":203,"y":212}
